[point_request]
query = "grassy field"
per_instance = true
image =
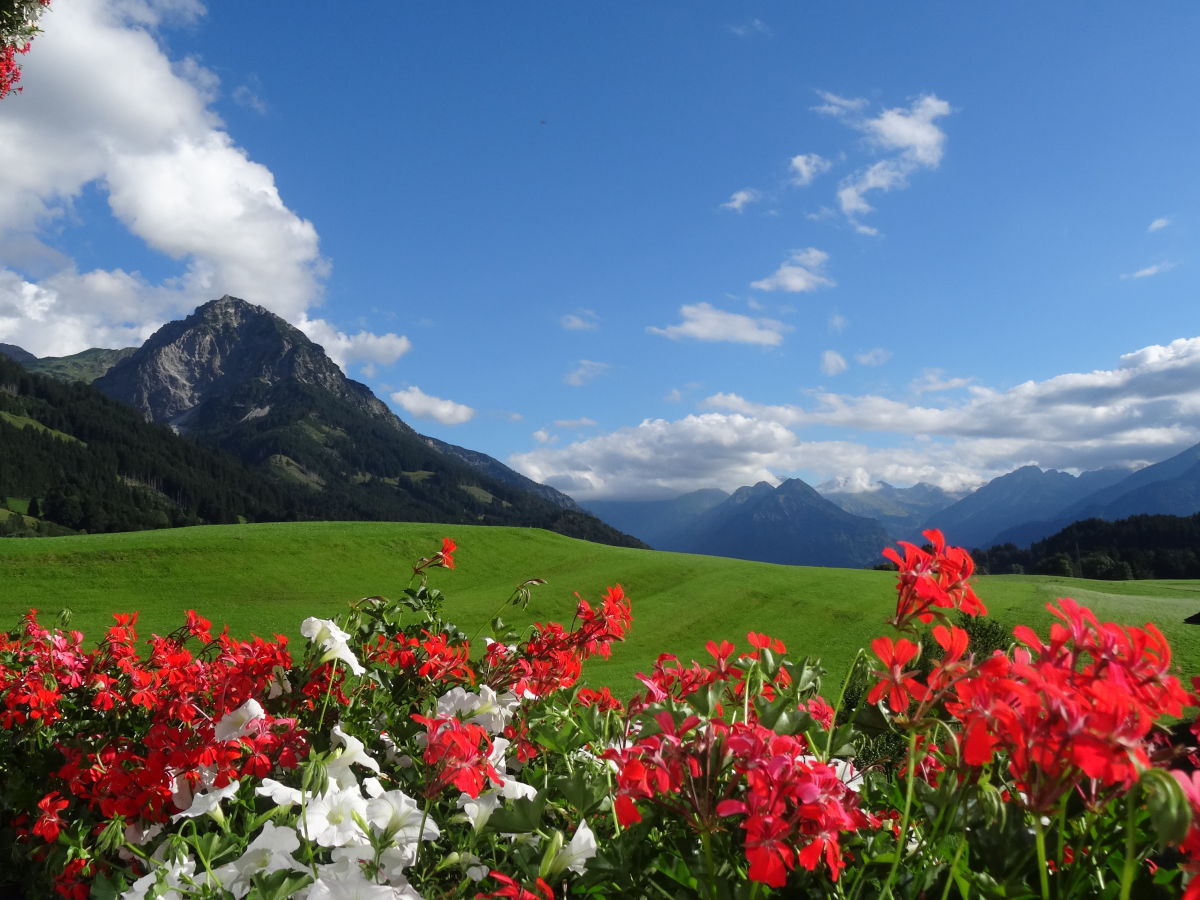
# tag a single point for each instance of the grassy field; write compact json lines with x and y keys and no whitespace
{"x":266,"y":578}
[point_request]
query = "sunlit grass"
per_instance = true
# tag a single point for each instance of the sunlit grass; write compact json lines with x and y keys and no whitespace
{"x":264,"y":579}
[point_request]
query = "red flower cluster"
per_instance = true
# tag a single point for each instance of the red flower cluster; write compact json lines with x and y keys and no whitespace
{"x":932,"y":582}
{"x":794,"y":807}
{"x":173,"y":700}
{"x":1071,"y":713}
{"x":552,"y":658}
{"x":458,"y":753}
{"x":516,"y":890}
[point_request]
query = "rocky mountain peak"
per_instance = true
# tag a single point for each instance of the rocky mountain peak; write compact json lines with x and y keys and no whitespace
{"x":231,"y":353}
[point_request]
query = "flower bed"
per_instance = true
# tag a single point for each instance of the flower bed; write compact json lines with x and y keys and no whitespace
{"x":387,"y":760}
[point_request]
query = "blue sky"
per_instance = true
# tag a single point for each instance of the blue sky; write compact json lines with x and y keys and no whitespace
{"x":638,"y":249}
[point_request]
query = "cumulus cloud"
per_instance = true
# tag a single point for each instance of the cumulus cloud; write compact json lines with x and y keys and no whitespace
{"x":1158,"y":224}
{"x":362,"y":348}
{"x":417,"y":403}
{"x":833,"y":363}
{"x":1143,"y":409}
{"x":704,"y":322}
{"x":104,"y":106}
{"x":585,"y":372}
{"x":580,"y":320}
{"x":801,"y":272}
{"x":1150,"y":271}
{"x":739,"y":200}
{"x":806,"y":167}
{"x":910,"y":139}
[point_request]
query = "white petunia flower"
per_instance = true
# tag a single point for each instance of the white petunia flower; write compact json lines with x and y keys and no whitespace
{"x":353,"y":752}
{"x":332,"y":640}
{"x":328,"y":819}
{"x":280,"y":793}
{"x":208,"y":802}
{"x":574,"y":856}
{"x":235,"y":723}
{"x":270,"y":852}
{"x":487,"y":709}
{"x":400,"y":814}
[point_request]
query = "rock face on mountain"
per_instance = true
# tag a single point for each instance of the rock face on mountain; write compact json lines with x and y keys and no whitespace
{"x":223,"y":360}
{"x":235,"y":376}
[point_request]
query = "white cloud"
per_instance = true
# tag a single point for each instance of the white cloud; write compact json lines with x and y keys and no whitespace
{"x":876,"y":356}
{"x":833,"y":363}
{"x":417,"y":403}
{"x":837,"y":323}
{"x":739,"y":200}
{"x":704,"y":322}
{"x":103,"y":105}
{"x":363,"y":348}
{"x":839,"y":106}
{"x":585,"y":372}
{"x":910,"y":137}
{"x":935,"y":380}
{"x":582,"y":422}
{"x":1150,"y":271}
{"x":580,"y":320}
{"x":801,"y":272}
{"x":1158,"y":224}
{"x":806,"y":167}
{"x":1142,"y":410}
{"x":542,"y":436}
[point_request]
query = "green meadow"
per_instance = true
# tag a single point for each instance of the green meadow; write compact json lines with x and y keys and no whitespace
{"x":265,"y":579}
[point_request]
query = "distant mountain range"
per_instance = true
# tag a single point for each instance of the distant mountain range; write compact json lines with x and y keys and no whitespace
{"x":295,"y":438}
{"x":237,"y":379}
{"x":787,"y":524}
{"x":790,"y":524}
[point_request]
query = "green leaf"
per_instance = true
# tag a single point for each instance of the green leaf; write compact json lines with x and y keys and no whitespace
{"x":278,"y":885}
{"x":519,"y":817}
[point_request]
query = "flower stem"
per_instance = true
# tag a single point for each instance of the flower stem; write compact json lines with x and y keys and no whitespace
{"x":1129,"y":868}
{"x":710,"y":873}
{"x":901,"y":839}
{"x":1039,"y":833}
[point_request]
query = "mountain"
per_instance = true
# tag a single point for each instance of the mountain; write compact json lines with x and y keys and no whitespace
{"x":17,"y":354}
{"x":1170,"y":487}
{"x":85,"y":366}
{"x":235,"y":376}
{"x":790,"y":524}
{"x":75,"y":460}
{"x":496,"y":469}
{"x":660,"y":523}
{"x":1025,"y":495}
{"x":901,"y":511}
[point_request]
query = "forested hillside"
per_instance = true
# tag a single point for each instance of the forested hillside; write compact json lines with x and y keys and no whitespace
{"x":74,"y":458}
{"x":1137,"y":547}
